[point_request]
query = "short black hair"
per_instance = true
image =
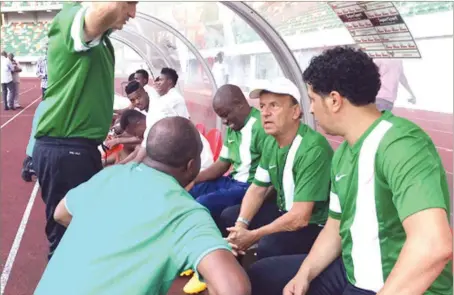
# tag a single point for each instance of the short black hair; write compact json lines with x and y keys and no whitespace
{"x":130,"y":117}
{"x":349,"y":71}
{"x":131,"y":77}
{"x":173,"y":141}
{"x":132,"y":87}
{"x":170,"y":74}
{"x":143,"y":73}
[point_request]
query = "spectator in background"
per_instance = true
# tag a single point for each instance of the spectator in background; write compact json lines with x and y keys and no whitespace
{"x":7,"y":82}
{"x":41,"y":72}
{"x":391,"y":74}
{"x":220,"y":70}
{"x":16,"y":79}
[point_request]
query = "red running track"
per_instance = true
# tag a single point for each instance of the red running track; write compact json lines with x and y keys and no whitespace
{"x":31,"y":256}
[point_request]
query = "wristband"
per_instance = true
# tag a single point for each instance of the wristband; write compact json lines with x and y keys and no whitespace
{"x":243,"y":220}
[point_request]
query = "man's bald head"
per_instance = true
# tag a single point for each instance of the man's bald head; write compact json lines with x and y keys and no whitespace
{"x":174,"y":142}
{"x":230,"y":104}
{"x":228,"y":95}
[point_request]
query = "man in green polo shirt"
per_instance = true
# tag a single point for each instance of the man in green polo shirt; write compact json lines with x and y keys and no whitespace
{"x":388,"y":230}
{"x":79,"y":99}
{"x":241,"y":151}
{"x":124,"y":238}
{"x":296,"y":161}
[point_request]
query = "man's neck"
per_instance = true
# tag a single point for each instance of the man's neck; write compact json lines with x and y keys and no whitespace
{"x":287,"y":138}
{"x":360,"y":119}
{"x":245,"y":113}
{"x":162,"y":168}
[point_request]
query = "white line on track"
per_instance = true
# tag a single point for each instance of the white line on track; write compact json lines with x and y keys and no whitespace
{"x":17,"y":240}
{"x":18,"y":114}
{"x":25,"y":91}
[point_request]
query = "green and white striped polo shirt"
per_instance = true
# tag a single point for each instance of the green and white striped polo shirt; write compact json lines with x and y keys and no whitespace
{"x":390,"y":173}
{"x":300,"y":172}
{"x":243,"y":148}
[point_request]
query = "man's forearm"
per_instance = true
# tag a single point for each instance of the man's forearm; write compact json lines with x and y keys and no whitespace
{"x":130,"y":157}
{"x":326,"y":248}
{"x":141,"y":154}
{"x":252,"y":201}
{"x":129,"y":140}
{"x":285,"y":223}
{"x":100,"y":17}
{"x":419,"y":264}
{"x":215,"y":171}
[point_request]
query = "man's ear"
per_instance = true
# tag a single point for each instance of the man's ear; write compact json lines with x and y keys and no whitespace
{"x":336,"y":101}
{"x":297,"y":113}
{"x":190,"y":165}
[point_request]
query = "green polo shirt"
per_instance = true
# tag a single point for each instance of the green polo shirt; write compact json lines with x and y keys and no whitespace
{"x":80,"y":92}
{"x":393,"y":171}
{"x":125,"y":238}
{"x":300,"y":172}
{"x":243,"y":148}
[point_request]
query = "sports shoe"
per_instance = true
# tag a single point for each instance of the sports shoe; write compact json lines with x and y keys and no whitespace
{"x":27,"y":170}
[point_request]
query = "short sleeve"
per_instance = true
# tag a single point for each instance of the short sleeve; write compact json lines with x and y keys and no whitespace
{"x":76,"y":197}
{"x":262,"y":176}
{"x":197,"y":236}
{"x":413,"y":169}
{"x":335,"y":209}
{"x":224,"y":155}
{"x":312,"y":179}
{"x":70,"y":23}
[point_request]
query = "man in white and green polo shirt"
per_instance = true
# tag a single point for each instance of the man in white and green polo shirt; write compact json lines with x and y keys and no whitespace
{"x":242,"y":149}
{"x":296,"y":161}
{"x":79,"y":98}
{"x":388,"y":229}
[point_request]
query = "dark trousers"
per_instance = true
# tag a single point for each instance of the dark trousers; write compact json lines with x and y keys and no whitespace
{"x":43,"y":91}
{"x":216,"y":195}
{"x":277,"y":244}
{"x":269,"y":277}
{"x":8,"y":94}
{"x":60,"y":165}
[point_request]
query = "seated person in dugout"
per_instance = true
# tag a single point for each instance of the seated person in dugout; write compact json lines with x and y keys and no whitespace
{"x":142,"y":77}
{"x":242,"y":149}
{"x":296,"y":161}
{"x":134,"y":123}
{"x":139,"y":101}
{"x":388,"y":230}
{"x":136,"y":242}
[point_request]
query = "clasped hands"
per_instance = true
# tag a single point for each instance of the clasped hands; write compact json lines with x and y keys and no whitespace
{"x":240,"y":238}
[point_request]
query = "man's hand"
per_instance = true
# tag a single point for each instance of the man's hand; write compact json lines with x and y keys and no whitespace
{"x":299,"y":285}
{"x":235,"y":249}
{"x":111,"y":143}
{"x":242,"y":238}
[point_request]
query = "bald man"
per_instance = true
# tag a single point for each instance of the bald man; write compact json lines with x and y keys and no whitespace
{"x":241,"y":149}
{"x":133,"y":240}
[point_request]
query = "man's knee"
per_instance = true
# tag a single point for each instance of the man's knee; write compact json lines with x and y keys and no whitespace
{"x":269,"y":276}
{"x":269,"y":246}
{"x":230,"y":215}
